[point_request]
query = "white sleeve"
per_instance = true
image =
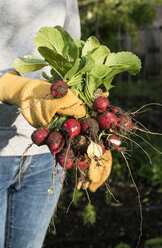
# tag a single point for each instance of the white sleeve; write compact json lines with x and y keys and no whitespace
{"x":72,"y":19}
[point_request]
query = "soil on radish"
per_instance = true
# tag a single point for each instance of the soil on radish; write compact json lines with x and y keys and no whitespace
{"x":107,"y":121}
{"x":39,"y":136}
{"x":82,"y":162}
{"x":124,"y":124}
{"x":59,"y":89}
{"x":90,"y":127}
{"x":100,"y":104}
{"x":66,"y":158}
{"x":112,"y":142}
{"x":80,"y":143}
{"x":55,"y":142}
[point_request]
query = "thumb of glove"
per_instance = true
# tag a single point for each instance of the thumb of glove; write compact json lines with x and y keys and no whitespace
{"x":99,"y":171}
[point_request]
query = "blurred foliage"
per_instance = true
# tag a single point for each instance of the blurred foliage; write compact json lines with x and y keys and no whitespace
{"x":153,"y":243}
{"x":89,"y":215}
{"x":123,"y":245}
{"x":108,"y":20}
{"x":130,"y":96}
{"x":146,"y":172}
{"x":76,"y":197}
{"x":108,"y":197}
{"x":54,"y":220}
{"x":157,"y":1}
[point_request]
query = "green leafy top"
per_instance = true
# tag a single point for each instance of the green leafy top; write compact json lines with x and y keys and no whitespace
{"x":58,"y":40}
{"x":125,"y":61}
{"x":85,"y":66}
{"x":29,"y":63}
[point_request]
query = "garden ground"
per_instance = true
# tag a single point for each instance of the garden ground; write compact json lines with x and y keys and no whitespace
{"x":115,"y":222}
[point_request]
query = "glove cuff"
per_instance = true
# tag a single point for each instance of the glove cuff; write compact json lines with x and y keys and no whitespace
{"x":11,"y":85}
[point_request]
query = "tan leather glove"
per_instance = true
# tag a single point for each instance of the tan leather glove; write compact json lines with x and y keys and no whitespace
{"x":99,"y":171}
{"x":36,"y":106}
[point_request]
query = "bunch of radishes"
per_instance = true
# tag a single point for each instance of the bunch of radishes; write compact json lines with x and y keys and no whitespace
{"x":87,"y":68}
{"x":77,"y":139}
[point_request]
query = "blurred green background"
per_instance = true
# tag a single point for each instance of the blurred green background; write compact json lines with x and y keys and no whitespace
{"x":110,"y":217}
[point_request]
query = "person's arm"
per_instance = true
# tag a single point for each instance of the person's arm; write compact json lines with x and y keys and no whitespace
{"x":37,"y":104}
{"x":72,"y":19}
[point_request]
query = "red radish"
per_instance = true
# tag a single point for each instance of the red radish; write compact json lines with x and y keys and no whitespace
{"x":83,"y":164}
{"x":89,"y":126}
{"x":124,"y":124}
{"x":80,"y":143}
{"x":100,"y":104}
{"x":66,"y":158}
{"x":124,"y":121}
{"x":55,"y":142}
{"x":59,"y":89}
{"x":39,"y":136}
{"x":102,"y":146}
{"x":113,"y":142}
{"x":107,"y":120}
{"x":71,"y":127}
{"x":114,"y":110}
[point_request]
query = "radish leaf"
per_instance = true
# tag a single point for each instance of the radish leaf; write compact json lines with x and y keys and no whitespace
{"x":55,"y":76}
{"x":73,"y":70}
{"x":123,"y":61}
{"x":107,"y":82}
{"x":81,"y":66}
{"x":91,"y":85}
{"x":72,"y":53}
{"x":90,"y":44}
{"x":60,"y":121}
{"x":52,"y":38}
{"x":87,"y":63}
{"x":58,"y":40}
{"x":29,"y":63}
{"x":80,"y":45}
{"x":100,"y":71}
{"x":55,"y":60}
{"x":99,"y":55}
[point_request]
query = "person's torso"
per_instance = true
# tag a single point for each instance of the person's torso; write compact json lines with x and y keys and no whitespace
{"x":19,"y":22}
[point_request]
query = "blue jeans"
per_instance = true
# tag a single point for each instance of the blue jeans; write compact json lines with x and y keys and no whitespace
{"x":27,"y":207}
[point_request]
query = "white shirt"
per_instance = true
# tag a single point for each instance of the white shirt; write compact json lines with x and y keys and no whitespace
{"x":19,"y":22}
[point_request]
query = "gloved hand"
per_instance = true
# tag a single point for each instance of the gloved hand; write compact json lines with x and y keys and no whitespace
{"x":36,"y":106}
{"x":99,"y":171}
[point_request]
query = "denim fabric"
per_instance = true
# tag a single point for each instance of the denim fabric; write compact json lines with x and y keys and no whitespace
{"x":26,"y":207}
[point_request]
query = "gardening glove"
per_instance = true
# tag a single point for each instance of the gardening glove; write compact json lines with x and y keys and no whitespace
{"x":98,"y":173}
{"x":34,"y":99}
{"x":100,"y":170}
